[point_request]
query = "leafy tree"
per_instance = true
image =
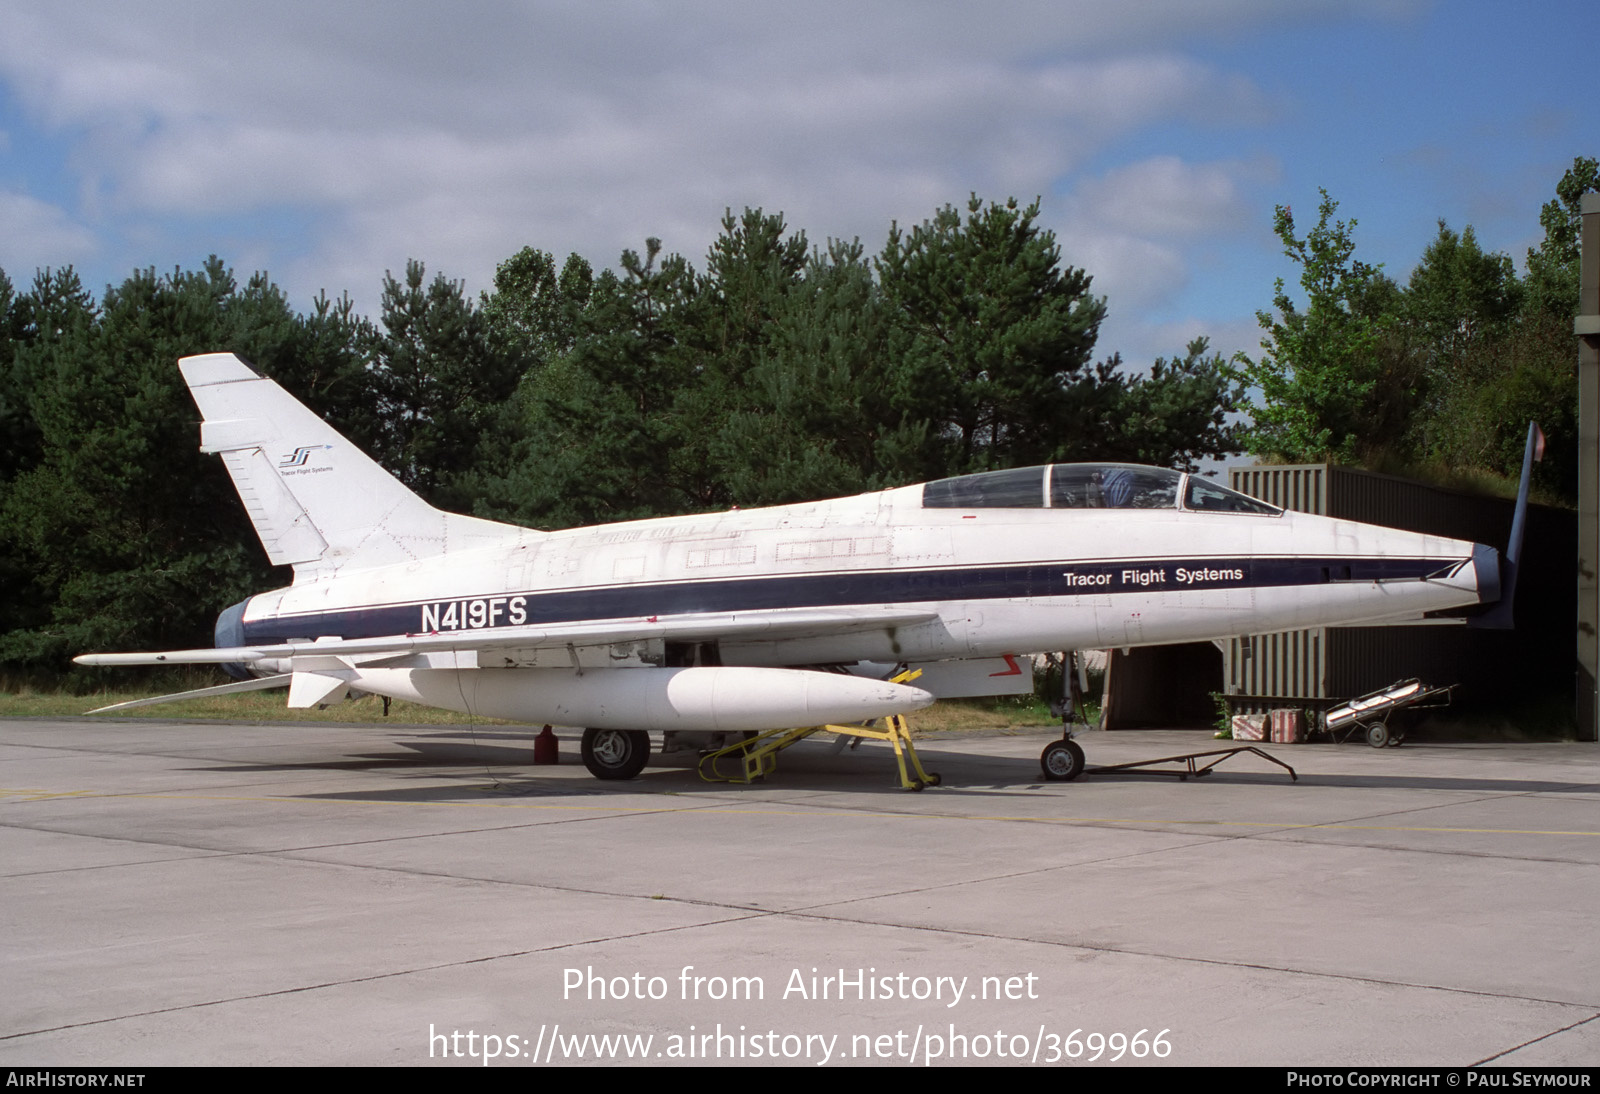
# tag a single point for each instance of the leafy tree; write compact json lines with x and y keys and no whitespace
{"x":14,"y":422}
{"x":775,"y":376}
{"x":1458,"y":294}
{"x":1459,"y":316}
{"x":56,"y":308}
{"x":1320,"y":365}
{"x":535,"y":312}
{"x":1500,"y":350}
{"x":1437,"y":378}
{"x":750,"y":269}
{"x":1553,"y":273}
{"x":1481,"y":420}
{"x":536,"y":316}
{"x":633,"y":418}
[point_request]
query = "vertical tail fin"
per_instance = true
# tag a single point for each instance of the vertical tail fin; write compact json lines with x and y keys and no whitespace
{"x":316,"y":500}
{"x":1500,"y":616}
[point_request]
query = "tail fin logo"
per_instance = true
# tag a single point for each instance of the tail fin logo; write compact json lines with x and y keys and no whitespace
{"x":299,"y":456}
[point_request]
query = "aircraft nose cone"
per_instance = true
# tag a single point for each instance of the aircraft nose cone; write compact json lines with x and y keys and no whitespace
{"x":1486,"y":564}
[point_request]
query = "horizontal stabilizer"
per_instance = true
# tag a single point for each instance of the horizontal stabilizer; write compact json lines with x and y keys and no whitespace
{"x":313,"y":689}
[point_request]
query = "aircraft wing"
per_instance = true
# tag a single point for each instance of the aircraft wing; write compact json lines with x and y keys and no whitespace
{"x":749,"y":626}
{"x":265,"y":683}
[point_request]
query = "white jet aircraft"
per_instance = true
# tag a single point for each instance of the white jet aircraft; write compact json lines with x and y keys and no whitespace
{"x":756,"y":619}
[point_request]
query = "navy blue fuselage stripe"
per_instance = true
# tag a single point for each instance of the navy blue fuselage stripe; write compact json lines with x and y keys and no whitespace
{"x":1045,"y":579}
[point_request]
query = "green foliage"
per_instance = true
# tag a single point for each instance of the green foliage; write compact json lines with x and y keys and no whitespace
{"x":1479,"y":417}
{"x":322,"y":360}
{"x":1175,"y":416}
{"x":1438,"y":378}
{"x":992,"y":336}
{"x":441,"y":384}
{"x":753,"y":269}
{"x":55,"y":310}
{"x":1320,"y":364}
{"x":535,"y":311}
{"x":1458,"y":295}
{"x":121,"y":531}
{"x":818,"y":417}
{"x":1224,"y":718}
{"x":782,"y":373}
{"x":600,"y":426}
{"x":14,"y":421}
{"x":1497,"y":351}
{"x":1553,"y":267}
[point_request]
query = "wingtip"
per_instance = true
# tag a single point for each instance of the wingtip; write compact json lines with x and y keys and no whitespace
{"x":205,"y":369}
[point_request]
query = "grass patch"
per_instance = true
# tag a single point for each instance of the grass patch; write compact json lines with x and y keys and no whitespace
{"x":1009,"y":712}
{"x":255,"y":706}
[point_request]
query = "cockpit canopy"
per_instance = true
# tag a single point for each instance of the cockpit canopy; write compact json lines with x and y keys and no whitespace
{"x":1089,"y":486}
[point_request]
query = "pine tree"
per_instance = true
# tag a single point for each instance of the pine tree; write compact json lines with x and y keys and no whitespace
{"x":992,"y":336}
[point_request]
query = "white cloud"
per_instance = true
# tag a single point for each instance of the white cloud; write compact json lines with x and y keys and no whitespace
{"x":1134,"y":273}
{"x":365,"y":134}
{"x":1225,"y":336}
{"x":34,"y":234}
{"x":1143,"y":231}
{"x":1166,"y":196}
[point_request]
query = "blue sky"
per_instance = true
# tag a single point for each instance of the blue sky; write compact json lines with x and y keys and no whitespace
{"x":329,"y":141}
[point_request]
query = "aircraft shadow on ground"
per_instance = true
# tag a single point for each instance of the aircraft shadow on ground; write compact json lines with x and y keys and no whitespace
{"x":503,"y":762}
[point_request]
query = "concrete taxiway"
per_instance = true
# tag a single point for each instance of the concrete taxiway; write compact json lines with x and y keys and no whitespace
{"x":201,"y":892}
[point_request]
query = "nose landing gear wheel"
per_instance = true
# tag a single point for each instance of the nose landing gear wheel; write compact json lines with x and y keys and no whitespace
{"x":615,"y":753}
{"x":1062,"y":761}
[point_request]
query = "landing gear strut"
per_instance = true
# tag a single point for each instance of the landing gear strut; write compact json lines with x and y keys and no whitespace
{"x":1062,"y":761}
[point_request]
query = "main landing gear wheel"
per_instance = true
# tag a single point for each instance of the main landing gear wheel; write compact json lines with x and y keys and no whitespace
{"x":1062,"y":761}
{"x":615,"y":753}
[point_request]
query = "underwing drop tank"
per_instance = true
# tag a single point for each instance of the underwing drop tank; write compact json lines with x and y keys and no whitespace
{"x":714,"y":699}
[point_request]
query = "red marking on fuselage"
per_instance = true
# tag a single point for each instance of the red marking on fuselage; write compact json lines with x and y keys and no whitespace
{"x":1014,"y":670}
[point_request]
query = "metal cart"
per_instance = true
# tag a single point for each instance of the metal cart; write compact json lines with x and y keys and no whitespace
{"x":1369,"y":714}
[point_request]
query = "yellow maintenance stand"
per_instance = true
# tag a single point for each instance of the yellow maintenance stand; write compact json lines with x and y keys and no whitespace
{"x":757,"y":757}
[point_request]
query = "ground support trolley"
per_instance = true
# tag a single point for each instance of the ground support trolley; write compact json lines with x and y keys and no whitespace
{"x":757,"y":757}
{"x":1369,"y":714}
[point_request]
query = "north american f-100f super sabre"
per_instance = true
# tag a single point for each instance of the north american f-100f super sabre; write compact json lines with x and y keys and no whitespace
{"x":759,"y":619}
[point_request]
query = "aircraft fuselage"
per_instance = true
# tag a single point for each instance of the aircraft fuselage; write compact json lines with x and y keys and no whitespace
{"x":998,"y":580}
